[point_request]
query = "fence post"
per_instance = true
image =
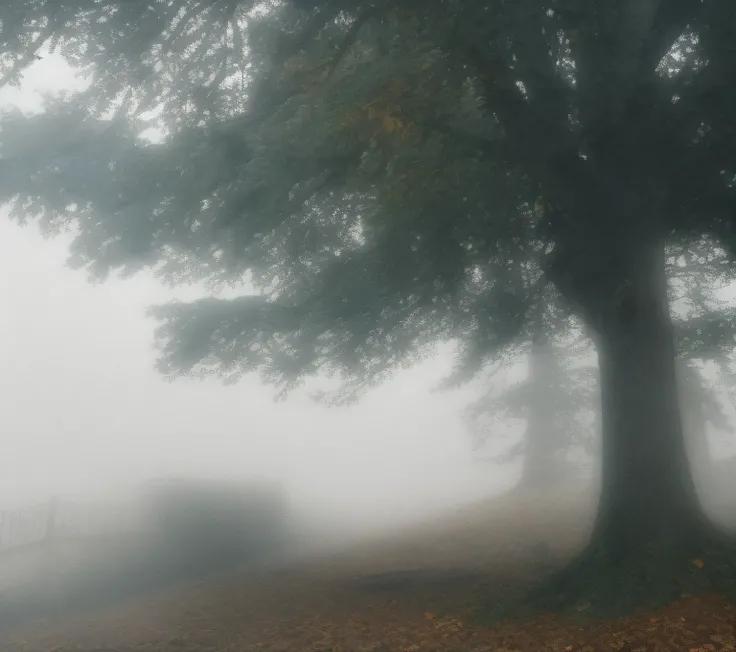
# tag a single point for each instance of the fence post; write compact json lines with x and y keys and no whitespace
{"x":51,"y":519}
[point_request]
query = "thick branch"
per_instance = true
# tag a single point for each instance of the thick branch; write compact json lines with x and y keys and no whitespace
{"x":637,"y":20}
{"x":549,"y":153}
{"x":608,"y":42}
{"x":537,"y":66}
{"x":670,"y":21}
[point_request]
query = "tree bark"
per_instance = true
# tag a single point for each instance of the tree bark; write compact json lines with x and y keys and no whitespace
{"x":650,"y":526}
{"x":648,"y":502}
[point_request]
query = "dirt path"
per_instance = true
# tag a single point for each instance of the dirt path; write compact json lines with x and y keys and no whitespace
{"x":413,"y":592}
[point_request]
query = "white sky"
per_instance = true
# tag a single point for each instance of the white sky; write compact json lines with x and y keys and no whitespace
{"x":83,"y":410}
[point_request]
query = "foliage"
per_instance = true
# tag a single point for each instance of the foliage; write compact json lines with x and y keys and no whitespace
{"x":571,"y":391}
{"x":381,"y":176}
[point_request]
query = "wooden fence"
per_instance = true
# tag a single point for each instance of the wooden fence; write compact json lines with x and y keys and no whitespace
{"x":184,"y":509}
{"x":62,"y":519}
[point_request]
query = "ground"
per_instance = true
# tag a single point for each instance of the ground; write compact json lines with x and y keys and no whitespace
{"x":412,"y":592}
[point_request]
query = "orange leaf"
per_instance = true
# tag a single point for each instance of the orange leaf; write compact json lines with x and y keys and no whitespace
{"x":390,"y":124}
{"x":698,"y":563}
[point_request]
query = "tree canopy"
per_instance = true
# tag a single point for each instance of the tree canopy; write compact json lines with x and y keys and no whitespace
{"x":382,"y":175}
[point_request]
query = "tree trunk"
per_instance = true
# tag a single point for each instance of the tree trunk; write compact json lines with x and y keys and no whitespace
{"x":695,"y":425}
{"x":649,"y":526}
{"x":543,"y":440}
{"x":648,"y":502}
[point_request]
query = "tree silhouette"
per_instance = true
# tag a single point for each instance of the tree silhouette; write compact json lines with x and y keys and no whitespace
{"x":554,"y":399}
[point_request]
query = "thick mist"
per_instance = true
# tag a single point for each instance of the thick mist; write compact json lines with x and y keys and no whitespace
{"x":87,"y":421}
{"x":85,"y":415}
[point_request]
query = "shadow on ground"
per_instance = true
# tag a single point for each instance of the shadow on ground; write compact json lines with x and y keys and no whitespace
{"x":74,"y":576}
{"x":416,"y":590}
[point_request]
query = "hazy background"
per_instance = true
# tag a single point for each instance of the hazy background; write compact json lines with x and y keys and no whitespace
{"x":84,"y":415}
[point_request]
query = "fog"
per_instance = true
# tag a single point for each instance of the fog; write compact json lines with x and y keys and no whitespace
{"x":86,"y":416}
{"x":86,"y":419}
{"x":84,"y":411}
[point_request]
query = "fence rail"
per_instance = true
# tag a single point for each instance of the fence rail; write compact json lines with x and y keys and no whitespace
{"x":186,"y":510}
{"x":61,"y":519}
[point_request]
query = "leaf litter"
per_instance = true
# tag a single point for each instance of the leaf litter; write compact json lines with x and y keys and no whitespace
{"x":441,"y":572}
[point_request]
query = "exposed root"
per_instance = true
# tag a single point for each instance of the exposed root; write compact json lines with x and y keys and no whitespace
{"x":600,"y":584}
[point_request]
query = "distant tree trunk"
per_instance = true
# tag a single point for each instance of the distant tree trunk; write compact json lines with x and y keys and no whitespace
{"x":543,"y":439}
{"x":648,"y":501}
{"x":695,"y":425}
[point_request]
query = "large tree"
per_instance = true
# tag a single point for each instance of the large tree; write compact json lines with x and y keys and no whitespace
{"x":559,"y":394}
{"x":387,"y":175}
{"x":557,"y":399}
